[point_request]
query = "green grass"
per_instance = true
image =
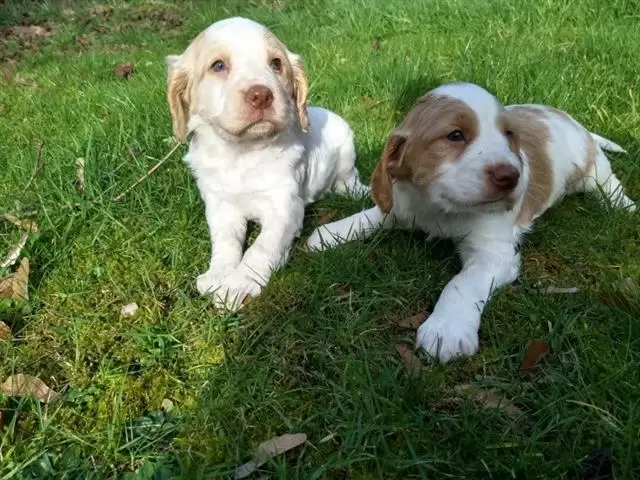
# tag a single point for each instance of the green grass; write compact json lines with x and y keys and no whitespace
{"x":301,"y":358}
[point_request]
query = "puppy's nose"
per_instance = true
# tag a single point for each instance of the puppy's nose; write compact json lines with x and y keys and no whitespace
{"x":259,"y":96}
{"x":504,"y":176}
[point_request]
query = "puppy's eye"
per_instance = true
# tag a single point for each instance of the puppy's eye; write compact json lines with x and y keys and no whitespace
{"x":456,"y":136}
{"x":218,"y":66}
{"x":276,"y":65}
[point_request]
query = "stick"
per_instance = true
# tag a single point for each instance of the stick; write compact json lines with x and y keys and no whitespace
{"x":117,"y":198}
{"x":39,"y":146}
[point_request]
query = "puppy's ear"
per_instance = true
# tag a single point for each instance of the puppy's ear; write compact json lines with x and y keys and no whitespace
{"x":300,"y":89}
{"x":391,"y":165}
{"x":178,"y":82}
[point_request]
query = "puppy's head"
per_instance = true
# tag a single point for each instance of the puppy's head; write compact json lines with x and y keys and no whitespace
{"x":459,"y":148}
{"x":239,"y":78}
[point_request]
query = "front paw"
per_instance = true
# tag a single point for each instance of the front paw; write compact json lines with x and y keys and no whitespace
{"x":209,"y":282}
{"x":321,"y":239}
{"x":235,"y":291}
{"x":445,"y":337}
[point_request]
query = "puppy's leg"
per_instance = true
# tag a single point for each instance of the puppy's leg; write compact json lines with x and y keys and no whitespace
{"x":358,"y":226}
{"x":279,"y":227}
{"x":227,"y":229}
{"x":452,"y":329}
{"x":601,"y":179}
{"x":348,"y":180}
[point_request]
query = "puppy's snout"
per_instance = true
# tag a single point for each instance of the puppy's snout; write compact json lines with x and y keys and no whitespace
{"x":259,"y":97}
{"x":503,"y":176}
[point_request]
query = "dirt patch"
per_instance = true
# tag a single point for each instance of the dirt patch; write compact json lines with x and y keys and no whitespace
{"x":18,"y":40}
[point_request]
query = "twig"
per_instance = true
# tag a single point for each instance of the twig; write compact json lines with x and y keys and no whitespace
{"x":38,"y":166}
{"x":117,"y":198}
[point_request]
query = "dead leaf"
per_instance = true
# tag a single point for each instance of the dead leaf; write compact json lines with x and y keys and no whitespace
{"x":21,"y":385}
{"x":490,"y":397}
{"x":413,"y":322}
{"x":166,"y":405}
{"x":531,"y":359}
{"x":124,"y":70}
{"x":268,"y":449}
{"x":14,"y":253}
{"x":28,"y":225}
{"x":344,"y":292}
{"x":80,"y":180}
{"x":327,"y":217}
{"x":15,"y":286}
{"x":129,"y":310}
{"x":412,"y":364}
{"x":5,"y":331}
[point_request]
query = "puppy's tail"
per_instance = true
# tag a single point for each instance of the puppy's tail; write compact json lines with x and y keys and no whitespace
{"x":607,"y":145}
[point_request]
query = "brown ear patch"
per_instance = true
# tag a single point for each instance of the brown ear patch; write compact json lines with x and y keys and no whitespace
{"x":300,"y":90}
{"x":533,"y":135}
{"x":177,"y":96}
{"x":390,"y":166}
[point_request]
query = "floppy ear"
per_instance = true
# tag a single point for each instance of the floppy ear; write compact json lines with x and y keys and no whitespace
{"x":178,"y":96}
{"x":300,"y":89}
{"x":391,"y":165}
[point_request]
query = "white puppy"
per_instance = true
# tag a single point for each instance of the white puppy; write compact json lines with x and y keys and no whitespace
{"x":462,"y":166}
{"x":257,"y":152}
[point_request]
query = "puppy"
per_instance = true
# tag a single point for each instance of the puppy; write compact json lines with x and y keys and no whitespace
{"x":258,"y":153}
{"x":462,"y":166}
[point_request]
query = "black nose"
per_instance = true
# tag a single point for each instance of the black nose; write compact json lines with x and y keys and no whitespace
{"x":503,"y":176}
{"x":259,"y":96}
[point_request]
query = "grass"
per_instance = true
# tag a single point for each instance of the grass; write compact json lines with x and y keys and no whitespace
{"x":302,"y":357}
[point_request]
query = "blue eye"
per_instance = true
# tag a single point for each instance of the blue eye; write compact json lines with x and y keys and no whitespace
{"x":456,"y":136}
{"x":218,"y":66}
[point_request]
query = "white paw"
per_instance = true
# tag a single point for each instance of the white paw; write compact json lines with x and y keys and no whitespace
{"x":209,"y":282}
{"x":446,"y":337}
{"x":235,"y":291}
{"x":321,"y":239}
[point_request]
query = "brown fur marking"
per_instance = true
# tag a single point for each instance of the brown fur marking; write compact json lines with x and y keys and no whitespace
{"x":417,"y":149}
{"x":534,"y":139}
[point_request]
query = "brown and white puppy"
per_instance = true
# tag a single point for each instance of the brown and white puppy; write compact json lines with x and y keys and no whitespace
{"x":258,"y":152}
{"x":463,"y":166}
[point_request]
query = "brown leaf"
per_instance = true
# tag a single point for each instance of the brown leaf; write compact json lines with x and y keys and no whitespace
{"x":268,"y":449}
{"x":412,"y":364}
{"x":123,"y":70}
{"x":344,"y":292}
{"x":413,"y":322}
{"x":21,"y":385}
{"x":531,"y":359}
{"x":28,"y":225}
{"x":491,"y":398}
{"x":16,"y":285}
{"x":80,"y":179}
{"x":5,"y":331}
{"x":327,"y":217}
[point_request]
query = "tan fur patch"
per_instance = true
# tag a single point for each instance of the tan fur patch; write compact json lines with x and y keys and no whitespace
{"x":579,"y":172}
{"x":534,"y":137}
{"x":418,"y":159}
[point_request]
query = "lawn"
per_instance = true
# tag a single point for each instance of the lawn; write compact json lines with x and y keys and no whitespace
{"x":316,"y":353}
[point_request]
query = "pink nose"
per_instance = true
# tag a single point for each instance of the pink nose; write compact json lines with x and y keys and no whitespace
{"x":503,"y":176}
{"x":259,"y":97}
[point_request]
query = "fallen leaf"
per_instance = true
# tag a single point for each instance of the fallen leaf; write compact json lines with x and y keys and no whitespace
{"x":80,"y":180}
{"x":532,"y":357}
{"x":327,"y":217}
{"x":5,"y":331}
{"x":129,"y":310}
{"x":491,"y":398}
{"x":166,"y":405}
{"x":344,"y":292}
{"x":412,"y":322}
{"x":21,"y":385}
{"x":268,"y":449}
{"x":124,"y":70}
{"x":16,"y":285}
{"x":14,"y":253}
{"x":412,"y":364}
{"x":28,"y":225}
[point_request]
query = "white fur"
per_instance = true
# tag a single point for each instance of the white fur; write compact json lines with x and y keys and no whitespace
{"x":487,"y":239}
{"x":265,"y":179}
